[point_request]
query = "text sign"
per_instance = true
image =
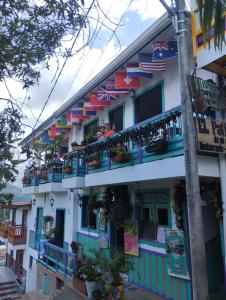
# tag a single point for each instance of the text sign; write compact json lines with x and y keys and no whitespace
{"x":211,"y":135}
{"x":206,"y":94}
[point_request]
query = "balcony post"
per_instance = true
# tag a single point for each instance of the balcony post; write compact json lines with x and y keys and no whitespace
{"x":65,"y":264}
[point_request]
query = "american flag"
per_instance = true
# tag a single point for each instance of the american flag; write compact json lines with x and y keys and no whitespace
{"x":146,"y":63}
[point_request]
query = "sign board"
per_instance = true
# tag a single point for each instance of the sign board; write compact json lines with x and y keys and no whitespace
{"x":206,"y":94}
{"x":103,"y":240}
{"x":211,"y":135}
{"x":131,"y":239}
{"x":205,"y":53}
{"x":161,"y":234}
{"x":175,"y":252}
{"x":102,"y":220}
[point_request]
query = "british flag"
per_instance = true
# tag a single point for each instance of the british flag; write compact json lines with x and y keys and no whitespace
{"x":103,"y":94}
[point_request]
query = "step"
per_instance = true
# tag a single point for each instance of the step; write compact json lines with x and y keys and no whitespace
{"x":8,"y":292}
{"x":11,"y":297}
{"x":7,"y":282}
{"x":7,"y":286}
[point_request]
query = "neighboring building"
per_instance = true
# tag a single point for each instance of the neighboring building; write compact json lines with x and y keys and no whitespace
{"x":13,"y":233}
{"x":141,"y":163}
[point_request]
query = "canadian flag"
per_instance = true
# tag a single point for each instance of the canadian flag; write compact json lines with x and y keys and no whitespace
{"x":122,"y":81}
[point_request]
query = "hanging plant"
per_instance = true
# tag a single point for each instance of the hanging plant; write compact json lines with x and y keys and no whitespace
{"x":119,"y":154}
{"x":93,"y":160}
{"x":179,"y":195}
{"x":117,"y":204}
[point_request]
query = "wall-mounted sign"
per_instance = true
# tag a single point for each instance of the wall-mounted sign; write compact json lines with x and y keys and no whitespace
{"x":211,"y":135}
{"x":175,"y":251}
{"x":131,"y":239}
{"x":206,"y":94}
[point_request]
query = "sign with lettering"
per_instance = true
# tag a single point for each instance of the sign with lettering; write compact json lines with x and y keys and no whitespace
{"x":206,"y":94}
{"x":175,"y":253}
{"x":211,"y":135}
{"x":103,"y":240}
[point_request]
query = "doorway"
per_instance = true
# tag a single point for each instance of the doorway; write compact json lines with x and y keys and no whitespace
{"x":60,"y":220}
{"x":116,"y":237}
{"x":24,"y":218}
{"x":19,"y":265}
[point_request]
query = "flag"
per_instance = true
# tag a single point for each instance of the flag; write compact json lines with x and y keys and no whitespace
{"x":95,"y":101}
{"x":112,"y":90}
{"x":77,"y":115}
{"x":134,"y":71}
{"x":52,"y":132}
{"x":103,"y":94}
{"x":89,"y":107}
{"x":122,"y":81}
{"x":164,"y":50}
{"x":147,"y":64}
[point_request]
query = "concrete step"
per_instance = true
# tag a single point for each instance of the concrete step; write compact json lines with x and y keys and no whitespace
{"x":6,"y":282}
{"x":8,"y":292}
{"x":11,"y":297}
{"x":7,"y":286}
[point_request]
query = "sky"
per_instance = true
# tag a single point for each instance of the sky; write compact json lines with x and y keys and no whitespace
{"x":134,"y":19}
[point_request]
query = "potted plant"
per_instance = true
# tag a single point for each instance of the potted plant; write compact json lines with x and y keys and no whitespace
{"x":75,"y":146}
{"x":119,"y":154}
{"x":67,"y":169}
{"x":91,"y":274}
{"x":93,"y":160}
{"x":26,"y":180}
{"x":157,"y":144}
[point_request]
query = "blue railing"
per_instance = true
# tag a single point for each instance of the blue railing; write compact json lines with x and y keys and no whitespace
{"x":58,"y":260}
{"x":33,"y":181}
{"x":52,"y":174}
{"x":77,"y":167}
{"x":34,"y":238}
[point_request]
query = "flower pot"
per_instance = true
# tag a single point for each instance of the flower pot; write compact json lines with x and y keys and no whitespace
{"x":158,"y":146}
{"x":94,"y":163}
{"x":90,"y":287}
{"x":78,"y":147}
{"x":67,"y":170}
{"x":116,"y":293}
{"x":120,"y":158}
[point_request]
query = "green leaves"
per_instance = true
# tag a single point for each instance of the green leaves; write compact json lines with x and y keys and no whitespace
{"x":210,"y":10}
{"x":31,"y":33}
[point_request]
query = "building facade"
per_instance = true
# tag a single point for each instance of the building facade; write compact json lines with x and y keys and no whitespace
{"x":120,"y":169}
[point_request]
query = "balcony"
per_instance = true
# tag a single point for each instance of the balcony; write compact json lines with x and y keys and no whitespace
{"x":31,"y":186}
{"x":50,"y":179}
{"x":149,"y":150}
{"x":4,"y":229}
{"x":58,"y":260}
{"x":34,"y":238}
{"x":17,"y":234}
{"x":73,"y":171}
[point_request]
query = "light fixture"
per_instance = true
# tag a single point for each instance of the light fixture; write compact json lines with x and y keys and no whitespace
{"x":79,"y":200}
{"x":131,"y":93}
{"x":51,"y":202}
{"x":34,"y":201}
{"x":79,"y":126}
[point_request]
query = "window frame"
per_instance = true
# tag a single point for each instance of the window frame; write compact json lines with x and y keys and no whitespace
{"x":153,"y":203}
{"x":122,"y":105}
{"x":143,"y":92}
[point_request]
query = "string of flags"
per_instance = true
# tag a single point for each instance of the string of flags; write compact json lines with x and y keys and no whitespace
{"x":106,"y":94}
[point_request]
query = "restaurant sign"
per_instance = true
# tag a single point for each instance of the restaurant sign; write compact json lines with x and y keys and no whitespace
{"x":206,"y":94}
{"x":211,"y":135}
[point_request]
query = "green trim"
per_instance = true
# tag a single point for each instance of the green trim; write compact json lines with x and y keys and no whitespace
{"x":123,"y":112}
{"x":146,"y":90}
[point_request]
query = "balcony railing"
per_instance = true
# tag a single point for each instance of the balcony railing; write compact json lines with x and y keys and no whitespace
{"x":17,"y":234}
{"x":73,"y":167}
{"x":134,"y":141}
{"x":33,"y":181}
{"x":4,"y":228}
{"x":34,"y":238}
{"x":58,"y":260}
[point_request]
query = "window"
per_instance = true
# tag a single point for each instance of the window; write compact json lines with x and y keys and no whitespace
{"x":88,"y":217}
{"x":148,"y":104}
{"x":152,"y":211}
{"x":116,"y":118}
{"x":90,"y":131}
